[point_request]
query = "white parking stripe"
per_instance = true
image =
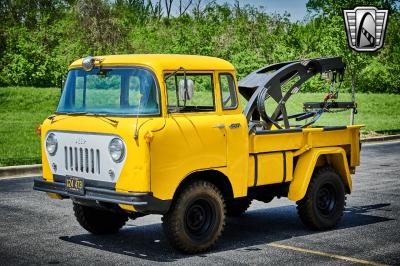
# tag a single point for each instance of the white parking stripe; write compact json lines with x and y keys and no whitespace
{"x":330,"y":255}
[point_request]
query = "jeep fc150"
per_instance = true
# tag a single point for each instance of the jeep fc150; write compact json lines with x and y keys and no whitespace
{"x":166,"y":134}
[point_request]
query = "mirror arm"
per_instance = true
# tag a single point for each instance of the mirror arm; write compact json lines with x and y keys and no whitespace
{"x":176,"y":91}
{"x":176,"y":83}
{"x":173,"y":73}
{"x":185,"y":88}
{"x":62,"y":85}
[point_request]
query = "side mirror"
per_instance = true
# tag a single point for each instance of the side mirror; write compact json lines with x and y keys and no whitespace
{"x":186,"y":92}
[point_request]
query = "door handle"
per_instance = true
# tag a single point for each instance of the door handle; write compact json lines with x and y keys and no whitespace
{"x":219,"y":126}
{"x":234,"y":125}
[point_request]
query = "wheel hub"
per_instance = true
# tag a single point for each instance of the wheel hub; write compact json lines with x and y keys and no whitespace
{"x":326,"y":199}
{"x":199,"y":218}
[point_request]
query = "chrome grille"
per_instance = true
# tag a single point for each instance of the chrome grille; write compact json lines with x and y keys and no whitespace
{"x":87,"y":160}
{"x":81,"y":160}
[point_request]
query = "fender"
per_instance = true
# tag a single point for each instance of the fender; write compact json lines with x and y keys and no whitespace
{"x":306,"y":164}
{"x":217,"y":176}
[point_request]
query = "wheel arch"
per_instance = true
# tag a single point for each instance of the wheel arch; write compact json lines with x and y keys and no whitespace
{"x":307,"y":162}
{"x":215,"y":177}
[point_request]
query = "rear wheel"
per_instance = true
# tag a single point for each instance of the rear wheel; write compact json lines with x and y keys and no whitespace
{"x":323,"y":205}
{"x":237,"y":207}
{"x":196,"y":218}
{"x":98,"y":221}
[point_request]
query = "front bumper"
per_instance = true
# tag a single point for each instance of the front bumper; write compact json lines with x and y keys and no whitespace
{"x":143,"y":202}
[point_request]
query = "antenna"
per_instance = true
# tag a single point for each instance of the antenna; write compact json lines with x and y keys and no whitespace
{"x":136,"y":135}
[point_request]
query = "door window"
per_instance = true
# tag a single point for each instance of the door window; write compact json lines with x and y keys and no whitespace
{"x":228,"y":91}
{"x":196,"y":96}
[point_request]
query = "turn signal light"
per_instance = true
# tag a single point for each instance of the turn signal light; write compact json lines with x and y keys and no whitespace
{"x":39,"y":130}
{"x":148,"y":137}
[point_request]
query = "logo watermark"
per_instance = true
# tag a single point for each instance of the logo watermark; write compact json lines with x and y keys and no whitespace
{"x":365,"y":28}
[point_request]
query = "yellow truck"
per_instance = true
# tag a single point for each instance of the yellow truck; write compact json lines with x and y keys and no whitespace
{"x":166,"y":134}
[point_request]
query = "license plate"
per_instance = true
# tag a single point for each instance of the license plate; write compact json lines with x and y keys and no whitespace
{"x":75,"y":185}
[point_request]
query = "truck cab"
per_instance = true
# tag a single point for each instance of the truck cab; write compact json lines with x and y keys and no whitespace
{"x":166,"y":134}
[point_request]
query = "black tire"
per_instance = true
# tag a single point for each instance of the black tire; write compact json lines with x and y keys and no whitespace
{"x":98,"y":221}
{"x":323,"y":205}
{"x":237,"y":207}
{"x":196,"y":218}
{"x":265,"y":198}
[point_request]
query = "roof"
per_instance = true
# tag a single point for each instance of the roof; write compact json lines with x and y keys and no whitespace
{"x":164,"y":61}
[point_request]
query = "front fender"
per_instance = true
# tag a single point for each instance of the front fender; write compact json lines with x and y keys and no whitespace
{"x":306,"y":164}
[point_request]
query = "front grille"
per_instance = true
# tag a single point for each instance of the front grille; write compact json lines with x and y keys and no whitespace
{"x":81,"y":160}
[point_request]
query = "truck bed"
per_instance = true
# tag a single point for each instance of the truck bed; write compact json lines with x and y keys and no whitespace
{"x":273,"y":153}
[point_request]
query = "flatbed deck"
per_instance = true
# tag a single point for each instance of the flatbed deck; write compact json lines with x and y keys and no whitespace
{"x":273,"y":153}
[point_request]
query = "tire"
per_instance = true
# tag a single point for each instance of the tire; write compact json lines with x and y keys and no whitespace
{"x":196,"y":218}
{"x":98,"y":221}
{"x":237,"y":207}
{"x":265,"y":198}
{"x":323,"y":205}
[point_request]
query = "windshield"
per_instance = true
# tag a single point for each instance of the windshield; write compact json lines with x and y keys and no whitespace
{"x":114,"y":91}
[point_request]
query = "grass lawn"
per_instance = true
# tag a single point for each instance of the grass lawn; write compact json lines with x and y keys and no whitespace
{"x":378,"y":112}
{"x":23,"y":109}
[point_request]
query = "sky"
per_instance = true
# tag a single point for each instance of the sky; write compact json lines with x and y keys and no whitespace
{"x":296,"y":8}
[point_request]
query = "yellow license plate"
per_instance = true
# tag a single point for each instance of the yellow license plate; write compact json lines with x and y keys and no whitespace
{"x":75,"y":185}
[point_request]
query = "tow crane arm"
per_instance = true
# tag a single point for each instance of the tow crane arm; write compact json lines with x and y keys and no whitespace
{"x":267,"y":83}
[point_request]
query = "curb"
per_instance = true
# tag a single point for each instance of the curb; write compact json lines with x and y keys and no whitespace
{"x":36,"y":169}
{"x":20,"y":171}
{"x":381,"y":138}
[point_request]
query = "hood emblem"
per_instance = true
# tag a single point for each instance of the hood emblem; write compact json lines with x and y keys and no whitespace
{"x":80,"y":141}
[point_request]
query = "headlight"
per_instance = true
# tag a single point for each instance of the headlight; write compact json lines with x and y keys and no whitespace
{"x":117,"y":150}
{"x":51,"y":144}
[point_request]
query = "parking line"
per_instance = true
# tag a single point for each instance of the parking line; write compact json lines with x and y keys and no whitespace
{"x":334,"y":256}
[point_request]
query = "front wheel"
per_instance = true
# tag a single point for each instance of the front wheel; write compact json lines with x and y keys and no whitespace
{"x":323,"y":205}
{"x":98,"y":221}
{"x":196,"y":218}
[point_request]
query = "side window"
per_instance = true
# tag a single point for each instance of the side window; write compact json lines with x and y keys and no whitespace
{"x":197,"y":97}
{"x":228,"y":91}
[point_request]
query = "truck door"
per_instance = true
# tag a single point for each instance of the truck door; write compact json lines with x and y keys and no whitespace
{"x":194,"y":136}
{"x":236,"y":132}
{"x":204,"y":139}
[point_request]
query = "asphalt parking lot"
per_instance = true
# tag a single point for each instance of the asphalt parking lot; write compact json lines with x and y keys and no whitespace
{"x":37,"y":230}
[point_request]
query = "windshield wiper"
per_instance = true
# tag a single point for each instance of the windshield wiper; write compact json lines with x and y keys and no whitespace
{"x":113,"y":122}
{"x":52,"y":117}
{"x":70,"y":113}
{"x":74,"y":113}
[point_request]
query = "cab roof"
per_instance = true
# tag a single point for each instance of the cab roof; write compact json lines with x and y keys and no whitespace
{"x":161,"y":62}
